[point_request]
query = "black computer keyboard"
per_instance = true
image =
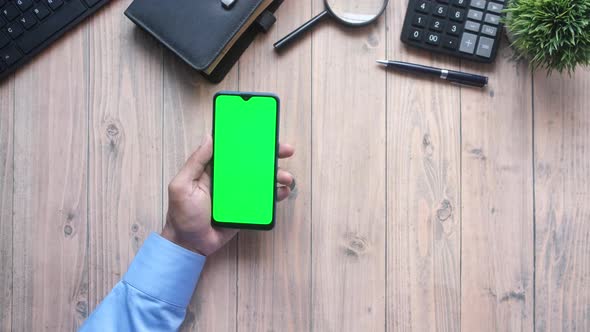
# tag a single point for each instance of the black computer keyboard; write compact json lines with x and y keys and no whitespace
{"x":28,"y":26}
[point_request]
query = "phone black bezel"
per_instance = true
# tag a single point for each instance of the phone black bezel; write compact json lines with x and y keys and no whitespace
{"x":246,"y":96}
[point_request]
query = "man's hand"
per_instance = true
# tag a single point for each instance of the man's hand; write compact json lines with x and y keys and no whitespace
{"x":188,"y":222}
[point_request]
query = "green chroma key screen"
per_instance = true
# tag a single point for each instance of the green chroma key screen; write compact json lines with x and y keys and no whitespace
{"x":244,"y":159}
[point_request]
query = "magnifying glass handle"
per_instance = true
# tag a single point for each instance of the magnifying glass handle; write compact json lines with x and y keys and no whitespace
{"x":288,"y":39}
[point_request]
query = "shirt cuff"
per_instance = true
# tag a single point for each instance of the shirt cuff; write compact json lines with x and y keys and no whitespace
{"x":165,"y":271}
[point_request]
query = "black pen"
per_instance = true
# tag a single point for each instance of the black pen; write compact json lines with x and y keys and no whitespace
{"x":449,"y":75}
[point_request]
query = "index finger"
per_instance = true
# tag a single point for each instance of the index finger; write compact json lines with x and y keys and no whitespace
{"x":286,"y":150}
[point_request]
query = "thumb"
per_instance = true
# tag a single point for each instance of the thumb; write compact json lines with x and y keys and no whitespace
{"x":196,"y":164}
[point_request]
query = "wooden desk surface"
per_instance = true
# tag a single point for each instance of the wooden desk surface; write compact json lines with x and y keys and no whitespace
{"x":420,"y":205}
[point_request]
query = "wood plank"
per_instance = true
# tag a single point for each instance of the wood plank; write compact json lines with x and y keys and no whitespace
{"x":423,"y":191}
{"x":125,"y":147}
{"x":274,"y":267}
{"x":50,"y":189}
{"x":187,"y":117}
{"x":562,"y":192}
{"x":348,"y":178}
{"x":497,"y":199}
{"x":6,"y":189}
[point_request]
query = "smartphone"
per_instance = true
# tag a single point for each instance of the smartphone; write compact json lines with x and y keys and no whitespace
{"x":244,"y":166}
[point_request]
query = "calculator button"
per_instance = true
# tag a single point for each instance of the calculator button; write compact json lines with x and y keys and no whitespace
{"x":459,"y":3}
{"x":485,"y":46}
{"x":416,"y":35}
{"x":474,"y":14}
{"x":457,"y":15}
{"x":437,"y":25}
{"x":453,"y":29}
{"x":492,"y":19}
{"x":423,"y":6}
{"x":472,"y":26}
{"x":3,"y":40}
{"x":41,"y":11}
{"x":489,"y":30}
{"x":10,"y":55}
{"x":481,"y":4}
{"x":468,"y":43}
{"x":441,"y":11}
{"x":419,"y":21}
{"x":495,"y":7}
{"x":450,"y":43}
{"x":24,"y":4}
{"x":14,"y":30}
{"x":10,"y":12}
{"x":433,"y":39}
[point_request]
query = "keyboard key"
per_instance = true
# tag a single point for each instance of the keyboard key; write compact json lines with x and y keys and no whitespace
{"x":24,"y":4}
{"x":492,"y":19}
{"x":14,"y":30}
{"x":437,"y":25}
{"x":10,"y":55}
{"x":453,"y":29}
{"x":54,"y":4}
{"x":472,"y":26}
{"x":459,"y":3}
{"x":3,"y":40}
{"x":423,"y":6}
{"x":433,"y":39}
{"x":41,"y":11}
{"x":441,"y":11}
{"x":10,"y":12}
{"x":416,"y":35}
{"x":485,"y":46}
{"x":419,"y":21}
{"x":475,"y":14}
{"x":28,"y":20}
{"x":468,"y":42}
{"x":457,"y":15}
{"x":495,"y":7}
{"x":53,"y":24}
{"x":489,"y":30}
{"x":450,"y":43}
{"x":480,"y":4}
{"x":91,"y":3}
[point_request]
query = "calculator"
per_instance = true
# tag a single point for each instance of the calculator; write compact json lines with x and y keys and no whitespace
{"x":468,"y":29}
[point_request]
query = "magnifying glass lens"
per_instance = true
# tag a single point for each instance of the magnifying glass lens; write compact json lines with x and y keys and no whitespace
{"x":356,"y":12}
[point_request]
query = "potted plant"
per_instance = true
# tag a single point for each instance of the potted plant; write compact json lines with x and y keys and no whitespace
{"x":551,"y":34}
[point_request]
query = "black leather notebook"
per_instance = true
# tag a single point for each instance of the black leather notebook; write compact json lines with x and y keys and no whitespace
{"x":207,"y":34}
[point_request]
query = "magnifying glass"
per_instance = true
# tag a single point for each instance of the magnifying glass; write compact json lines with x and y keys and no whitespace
{"x":354,"y":13}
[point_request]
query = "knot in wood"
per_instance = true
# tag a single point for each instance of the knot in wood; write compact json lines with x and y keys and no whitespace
{"x":356,"y":245}
{"x":68,"y":230}
{"x":112,"y":131}
{"x":445,"y":211}
{"x":82,"y":308}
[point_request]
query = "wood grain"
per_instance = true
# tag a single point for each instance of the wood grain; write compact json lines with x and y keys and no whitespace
{"x":6,"y":190}
{"x":423,"y":192}
{"x":125,"y":147}
{"x":274,"y":267}
{"x":50,"y":289}
{"x":348,"y":178}
{"x":497,"y":199}
{"x":562,"y":191}
{"x":187,"y":118}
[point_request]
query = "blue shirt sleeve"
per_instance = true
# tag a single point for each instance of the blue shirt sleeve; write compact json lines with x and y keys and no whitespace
{"x":154,"y":293}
